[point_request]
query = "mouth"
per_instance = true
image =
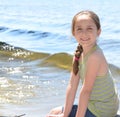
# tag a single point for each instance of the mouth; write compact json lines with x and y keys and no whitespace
{"x":85,"y":39}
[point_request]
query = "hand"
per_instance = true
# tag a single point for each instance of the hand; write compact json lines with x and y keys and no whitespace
{"x":54,"y":115}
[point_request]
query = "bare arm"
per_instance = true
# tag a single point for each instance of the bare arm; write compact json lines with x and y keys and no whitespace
{"x":70,"y":93}
{"x":92,"y":68}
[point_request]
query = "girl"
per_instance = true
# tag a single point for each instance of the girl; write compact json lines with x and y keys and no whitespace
{"x":98,"y":97}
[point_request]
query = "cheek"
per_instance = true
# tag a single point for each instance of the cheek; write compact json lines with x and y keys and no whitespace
{"x":93,"y":35}
{"x":77,"y":38}
{"x":96,"y":35}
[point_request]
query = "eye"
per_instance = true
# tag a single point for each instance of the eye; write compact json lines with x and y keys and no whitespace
{"x":89,"y":29}
{"x":79,"y":29}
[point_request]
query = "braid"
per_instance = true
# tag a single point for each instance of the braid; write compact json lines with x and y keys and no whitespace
{"x":77,"y":55}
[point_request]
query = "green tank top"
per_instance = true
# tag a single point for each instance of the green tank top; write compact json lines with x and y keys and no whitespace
{"x":103,"y":100}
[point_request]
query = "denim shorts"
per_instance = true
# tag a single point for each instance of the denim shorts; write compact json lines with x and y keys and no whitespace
{"x":74,"y":110}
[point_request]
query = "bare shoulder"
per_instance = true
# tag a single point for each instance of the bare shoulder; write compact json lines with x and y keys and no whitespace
{"x":97,"y":60}
{"x":96,"y":55}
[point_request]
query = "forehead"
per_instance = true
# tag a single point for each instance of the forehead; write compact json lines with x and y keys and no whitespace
{"x":84,"y":18}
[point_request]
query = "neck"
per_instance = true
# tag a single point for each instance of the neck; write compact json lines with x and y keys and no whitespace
{"x":86,"y":49}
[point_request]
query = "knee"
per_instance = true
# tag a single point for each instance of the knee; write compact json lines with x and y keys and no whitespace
{"x":56,"y":110}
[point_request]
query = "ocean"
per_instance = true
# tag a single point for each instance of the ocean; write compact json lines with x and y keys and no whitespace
{"x":36,"y":49}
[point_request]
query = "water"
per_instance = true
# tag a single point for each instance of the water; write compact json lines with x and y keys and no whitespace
{"x":37,"y":29}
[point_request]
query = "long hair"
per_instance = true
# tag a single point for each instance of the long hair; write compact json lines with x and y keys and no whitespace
{"x":77,"y":55}
{"x":79,"y":49}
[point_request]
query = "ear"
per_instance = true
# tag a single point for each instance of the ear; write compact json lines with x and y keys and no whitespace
{"x":99,"y":32}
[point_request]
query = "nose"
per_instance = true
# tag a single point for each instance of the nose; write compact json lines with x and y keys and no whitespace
{"x":84,"y":33}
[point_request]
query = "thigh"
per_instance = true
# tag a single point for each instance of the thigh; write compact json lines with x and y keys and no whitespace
{"x":89,"y":114}
{"x":74,"y":110}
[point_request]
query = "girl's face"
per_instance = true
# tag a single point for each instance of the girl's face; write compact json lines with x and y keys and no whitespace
{"x":85,"y":30}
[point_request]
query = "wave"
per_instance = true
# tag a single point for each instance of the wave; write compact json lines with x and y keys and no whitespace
{"x":35,"y":33}
{"x":2,"y":29}
{"x":20,"y":53}
{"x":61,"y":60}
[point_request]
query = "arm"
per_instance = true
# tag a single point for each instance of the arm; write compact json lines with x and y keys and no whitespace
{"x":92,"y":68}
{"x":70,"y":93}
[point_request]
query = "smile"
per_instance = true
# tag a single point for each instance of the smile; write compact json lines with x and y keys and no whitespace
{"x":85,"y":39}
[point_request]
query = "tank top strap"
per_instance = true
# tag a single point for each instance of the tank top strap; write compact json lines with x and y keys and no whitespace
{"x":82,"y":63}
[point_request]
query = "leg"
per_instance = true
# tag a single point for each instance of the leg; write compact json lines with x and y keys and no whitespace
{"x":117,"y":116}
{"x":89,"y":114}
{"x":74,"y":110}
{"x":59,"y":110}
